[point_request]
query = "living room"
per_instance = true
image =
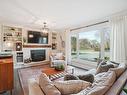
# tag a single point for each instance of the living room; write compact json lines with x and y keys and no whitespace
{"x":63,"y":47}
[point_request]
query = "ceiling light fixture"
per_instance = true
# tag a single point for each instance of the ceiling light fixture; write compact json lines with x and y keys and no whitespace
{"x":45,"y":29}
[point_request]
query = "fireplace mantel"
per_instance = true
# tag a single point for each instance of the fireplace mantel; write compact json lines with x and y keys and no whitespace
{"x":36,"y":46}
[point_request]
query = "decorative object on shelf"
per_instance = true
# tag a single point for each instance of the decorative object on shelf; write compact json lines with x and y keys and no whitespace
{"x":45,"y":29}
{"x":18,"y":46}
{"x":28,"y":60}
{"x":19,"y":56}
{"x":54,"y":45}
{"x":24,"y":40}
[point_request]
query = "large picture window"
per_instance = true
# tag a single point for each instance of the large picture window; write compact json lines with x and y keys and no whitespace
{"x":91,"y":45}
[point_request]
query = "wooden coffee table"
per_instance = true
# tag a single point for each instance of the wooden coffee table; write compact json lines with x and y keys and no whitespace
{"x":54,"y":74}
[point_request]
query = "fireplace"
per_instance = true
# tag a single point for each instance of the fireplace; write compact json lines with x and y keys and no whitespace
{"x":38,"y":55}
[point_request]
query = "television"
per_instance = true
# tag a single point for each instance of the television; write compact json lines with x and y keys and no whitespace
{"x":36,"y":37}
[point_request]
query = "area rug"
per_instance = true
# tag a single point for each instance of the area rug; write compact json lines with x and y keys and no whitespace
{"x":27,"y":73}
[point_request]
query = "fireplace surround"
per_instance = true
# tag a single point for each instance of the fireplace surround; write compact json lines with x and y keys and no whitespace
{"x":38,"y":55}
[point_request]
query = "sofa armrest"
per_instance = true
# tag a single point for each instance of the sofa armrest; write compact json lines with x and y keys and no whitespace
{"x":118,"y":85}
{"x":34,"y":88}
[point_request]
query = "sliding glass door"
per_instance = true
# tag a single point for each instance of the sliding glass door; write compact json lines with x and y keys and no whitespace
{"x":90,"y":45}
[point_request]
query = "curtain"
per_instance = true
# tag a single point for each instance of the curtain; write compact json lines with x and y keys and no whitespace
{"x":68,"y":46}
{"x":118,"y":38}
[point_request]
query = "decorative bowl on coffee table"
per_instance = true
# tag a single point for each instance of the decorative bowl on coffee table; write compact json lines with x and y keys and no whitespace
{"x":60,"y":67}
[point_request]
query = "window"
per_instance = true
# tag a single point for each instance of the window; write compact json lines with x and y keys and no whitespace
{"x":91,"y":45}
{"x":73,"y":46}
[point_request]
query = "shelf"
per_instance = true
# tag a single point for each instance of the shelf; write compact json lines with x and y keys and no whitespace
{"x":37,"y":46}
{"x":11,"y":35}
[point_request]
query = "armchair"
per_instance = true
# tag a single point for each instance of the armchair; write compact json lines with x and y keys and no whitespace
{"x":57,"y":59}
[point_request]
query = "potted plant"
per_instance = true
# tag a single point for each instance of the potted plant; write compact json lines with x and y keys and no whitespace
{"x":125,"y":90}
{"x":59,"y":67}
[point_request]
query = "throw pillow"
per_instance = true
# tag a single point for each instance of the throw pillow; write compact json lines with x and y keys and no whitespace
{"x":59,"y":56}
{"x":70,"y":77}
{"x":119,"y":70}
{"x":47,"y":86}
{"x":113,"y":63}
{"x":87,"y":77}
{"x":71,"y":86}
{"x":104,"y":67}
{"x":101,"y":62}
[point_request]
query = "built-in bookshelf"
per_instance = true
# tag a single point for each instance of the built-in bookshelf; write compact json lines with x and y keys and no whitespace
{"x":12,"y":38}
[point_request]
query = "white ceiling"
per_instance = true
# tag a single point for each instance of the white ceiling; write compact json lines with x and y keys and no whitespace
{"x":59,"y":14}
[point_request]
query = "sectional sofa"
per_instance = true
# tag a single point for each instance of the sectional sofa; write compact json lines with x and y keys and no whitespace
{"x":105,"y":83}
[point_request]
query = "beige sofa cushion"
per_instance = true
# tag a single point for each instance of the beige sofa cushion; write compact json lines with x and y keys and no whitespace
{"x":94,"y":90}
{"x":105,"y":78}
{"x":71,"y":86}
{"x":47,"y":86}
{"x":119,"y":70}
{"x":103,"y":81}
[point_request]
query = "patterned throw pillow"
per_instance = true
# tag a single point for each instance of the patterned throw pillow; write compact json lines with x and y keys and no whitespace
{"x":70,"y":77}
{"x":87,"y":77}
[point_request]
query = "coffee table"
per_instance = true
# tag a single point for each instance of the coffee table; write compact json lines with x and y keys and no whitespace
{"x":54,"y":74}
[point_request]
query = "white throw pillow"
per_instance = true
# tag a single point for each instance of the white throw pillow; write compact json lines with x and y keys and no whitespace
{"x":59,"y":56}
{"x":71,"y":86}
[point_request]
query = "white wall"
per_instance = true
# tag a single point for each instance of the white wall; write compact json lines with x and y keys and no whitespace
{"x":0,"y":37}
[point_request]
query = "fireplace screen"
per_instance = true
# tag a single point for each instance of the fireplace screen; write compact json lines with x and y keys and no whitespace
{"x":38,"y":55}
